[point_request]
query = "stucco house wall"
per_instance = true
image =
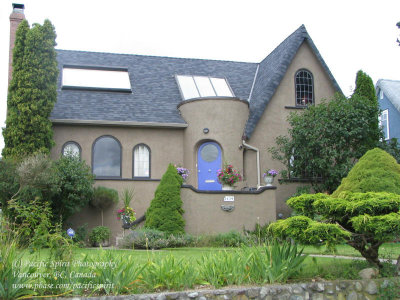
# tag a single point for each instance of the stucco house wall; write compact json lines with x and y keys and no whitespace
{"x":273,"y":122}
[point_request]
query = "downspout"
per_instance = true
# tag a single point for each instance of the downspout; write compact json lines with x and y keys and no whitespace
{"x":258,"y":162}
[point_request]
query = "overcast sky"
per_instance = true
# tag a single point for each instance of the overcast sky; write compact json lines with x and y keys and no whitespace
{"x":350,"y":34}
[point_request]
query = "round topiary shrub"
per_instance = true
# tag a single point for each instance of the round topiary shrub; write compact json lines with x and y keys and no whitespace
{"x":376,"y":171}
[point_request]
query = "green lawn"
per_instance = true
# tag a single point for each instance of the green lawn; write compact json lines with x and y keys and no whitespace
{"x":388,"y":250}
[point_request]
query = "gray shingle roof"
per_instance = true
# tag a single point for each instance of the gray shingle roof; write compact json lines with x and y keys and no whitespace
{"x":155,"y":93}
{"x":271,"y":72}
{"x":391,"y":88}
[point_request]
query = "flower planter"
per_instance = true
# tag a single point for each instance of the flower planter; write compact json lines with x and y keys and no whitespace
{"x":226,"y":187}
{"x":268,"y":180}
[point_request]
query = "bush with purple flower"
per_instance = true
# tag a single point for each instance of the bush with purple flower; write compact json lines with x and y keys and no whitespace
{"x":271,"y":172}
{"x":183,"y":172}
{"x":228,"y":175}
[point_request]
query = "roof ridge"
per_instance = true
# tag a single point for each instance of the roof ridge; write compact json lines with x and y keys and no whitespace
{"x":157,"y":56}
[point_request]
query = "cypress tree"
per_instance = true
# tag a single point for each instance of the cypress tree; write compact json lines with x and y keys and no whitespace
{"x":165,"y":211}
{"x":365,"y":88}
{"x":32,"y":91}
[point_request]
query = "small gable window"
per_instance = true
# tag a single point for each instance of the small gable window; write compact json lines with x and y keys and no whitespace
{"x":141,"y":161}
{"x":304,"y":88}
{"x":106,"y":157}
{"x":71,"y":149}
{"x":203,"y":86}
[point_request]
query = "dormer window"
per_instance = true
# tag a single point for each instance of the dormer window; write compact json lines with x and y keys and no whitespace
{"x":203,"y":86}
{"x":304,"y":88}
{"x":96,"y":79}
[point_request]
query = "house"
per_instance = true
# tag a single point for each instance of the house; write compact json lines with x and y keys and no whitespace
{"x":129,"y":116}
{"x":388,"y":92}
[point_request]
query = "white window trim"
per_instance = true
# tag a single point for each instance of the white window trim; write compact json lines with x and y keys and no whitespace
{"x":386,"y":114}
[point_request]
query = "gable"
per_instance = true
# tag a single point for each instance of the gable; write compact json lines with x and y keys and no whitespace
{"x":272,"y":70}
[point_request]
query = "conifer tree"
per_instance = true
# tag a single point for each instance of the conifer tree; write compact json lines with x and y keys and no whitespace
{"x":365,"y":88}
{"x":363,"y":212}
{"x":32,"y":91}
{"x":165,"y":211}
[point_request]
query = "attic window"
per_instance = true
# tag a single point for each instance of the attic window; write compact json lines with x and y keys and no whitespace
{"x":203,"y":86}
{"x":96,"y":79}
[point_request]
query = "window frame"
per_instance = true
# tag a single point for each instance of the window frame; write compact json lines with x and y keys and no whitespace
{"x":120,"y":155}
{"x":133,"y":161}
{"x":198,"y":89}
{"x":312,"y":88}
{"x":385,"y":112}
{"x":72,"y":142}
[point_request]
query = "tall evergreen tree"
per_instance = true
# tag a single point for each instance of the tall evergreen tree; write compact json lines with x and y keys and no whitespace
{"x":32,"y":91}
{"x":365,"y":88}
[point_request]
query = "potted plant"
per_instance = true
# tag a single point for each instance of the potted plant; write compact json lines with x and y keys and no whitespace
{"x":127,"y":214}
{"x":100,"y":236}
{"x":269,"y":176}
{"x":183,"y":172}
{"x":228,"y":176}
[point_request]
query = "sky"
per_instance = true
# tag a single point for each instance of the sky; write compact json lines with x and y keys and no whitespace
{"x":350,"y":34}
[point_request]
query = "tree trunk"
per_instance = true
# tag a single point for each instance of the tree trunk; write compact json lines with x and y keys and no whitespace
{"x":369,"y":252}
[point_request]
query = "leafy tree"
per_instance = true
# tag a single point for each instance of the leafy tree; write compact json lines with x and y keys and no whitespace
{"x":325,"y":140}
{"x":165,"y":211}
{"x":63,"y":186}
{"x":364,"y":220}
{"x":75,"y":187}
{"x":32,"y":91}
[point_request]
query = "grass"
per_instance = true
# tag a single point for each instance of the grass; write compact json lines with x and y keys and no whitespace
{"x":387,"y":251}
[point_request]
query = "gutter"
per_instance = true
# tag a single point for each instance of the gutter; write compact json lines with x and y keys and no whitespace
{"x":118,"y":123}
{"x":258,"y":162}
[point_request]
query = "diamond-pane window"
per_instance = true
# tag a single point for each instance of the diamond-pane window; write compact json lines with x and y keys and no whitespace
{"x":304,"y":88}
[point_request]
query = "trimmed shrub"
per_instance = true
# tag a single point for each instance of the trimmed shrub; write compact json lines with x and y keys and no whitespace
{"x":165,"y":211}
{"x":376,"y":171}
{"x":103,"y":197}
{"x":154,"y":239}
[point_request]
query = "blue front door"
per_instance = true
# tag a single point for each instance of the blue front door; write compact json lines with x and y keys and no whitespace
{"x":208,"y":163}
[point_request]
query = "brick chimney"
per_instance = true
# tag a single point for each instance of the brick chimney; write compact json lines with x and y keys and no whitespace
{"x":16,"y":17}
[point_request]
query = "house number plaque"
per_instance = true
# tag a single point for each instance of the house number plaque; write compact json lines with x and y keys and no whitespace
{"x":229,"y":198}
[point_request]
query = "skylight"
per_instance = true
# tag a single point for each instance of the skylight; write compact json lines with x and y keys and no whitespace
{"x":112,"y":79}
{"x":203,"y":86}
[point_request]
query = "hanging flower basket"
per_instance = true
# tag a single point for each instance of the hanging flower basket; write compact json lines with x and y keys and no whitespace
{"x":228,"y":176}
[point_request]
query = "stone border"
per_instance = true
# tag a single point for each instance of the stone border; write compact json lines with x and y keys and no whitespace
{"x":322,"y":290}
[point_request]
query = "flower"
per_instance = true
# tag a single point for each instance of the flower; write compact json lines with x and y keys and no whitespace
{"x":271,"y":172}
{"x":183,"y":172}
{"x":228,"y":175}
{"x":127,"y":214}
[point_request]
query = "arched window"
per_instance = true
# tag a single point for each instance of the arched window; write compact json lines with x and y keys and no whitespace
{"x":71,"y":149}
{"x":141,"y":161}
{"x":106,"y":157}
{"x":304,"y":88}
